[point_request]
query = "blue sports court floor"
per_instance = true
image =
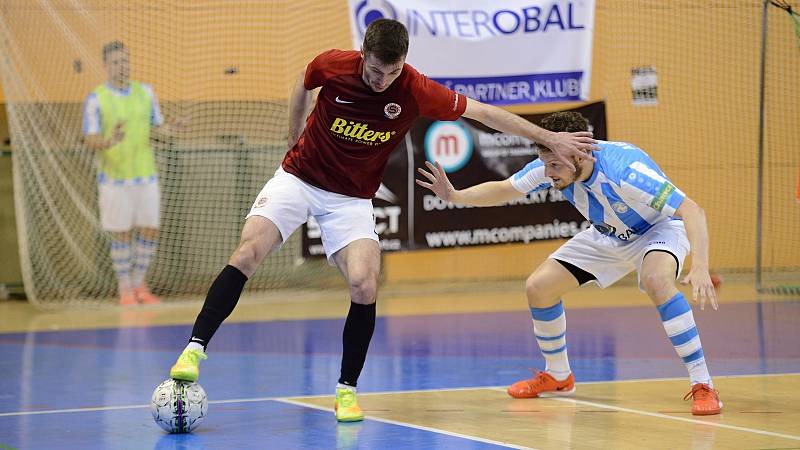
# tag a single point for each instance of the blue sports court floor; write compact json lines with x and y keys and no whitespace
{"x":89,"y":388}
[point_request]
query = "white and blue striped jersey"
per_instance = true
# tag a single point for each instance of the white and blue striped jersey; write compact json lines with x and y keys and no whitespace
{"x":625,"y":196}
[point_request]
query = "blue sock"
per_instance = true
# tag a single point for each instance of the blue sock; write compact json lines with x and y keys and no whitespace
{"x":678,"y":321}
{"x":550,"y":328}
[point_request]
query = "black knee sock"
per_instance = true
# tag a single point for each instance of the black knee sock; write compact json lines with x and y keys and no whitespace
{"x":355,"y":341}
{"x":221,"y":299}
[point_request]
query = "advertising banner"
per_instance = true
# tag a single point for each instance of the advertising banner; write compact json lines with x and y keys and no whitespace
{"x":503,"y":53}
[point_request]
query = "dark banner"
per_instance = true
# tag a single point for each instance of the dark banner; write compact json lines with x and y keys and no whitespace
{"x":410,"y":217}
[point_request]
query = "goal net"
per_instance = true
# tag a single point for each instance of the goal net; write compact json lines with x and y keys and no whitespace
{"x":225,"y":68}
{"x":681,"y":80}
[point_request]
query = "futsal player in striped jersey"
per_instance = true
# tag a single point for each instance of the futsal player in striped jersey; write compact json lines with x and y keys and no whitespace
{"x":367,"y":102}
{"x":640,"y":221}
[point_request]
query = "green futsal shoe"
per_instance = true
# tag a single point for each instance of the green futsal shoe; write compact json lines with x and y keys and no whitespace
{"x":187,"y":368}
{"x":346,"y":406}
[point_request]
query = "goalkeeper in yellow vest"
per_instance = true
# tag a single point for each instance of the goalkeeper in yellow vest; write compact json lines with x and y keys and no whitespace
{"x":117,"y":120}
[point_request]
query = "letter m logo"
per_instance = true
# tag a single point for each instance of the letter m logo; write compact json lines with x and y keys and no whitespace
{"x":446,"y":145}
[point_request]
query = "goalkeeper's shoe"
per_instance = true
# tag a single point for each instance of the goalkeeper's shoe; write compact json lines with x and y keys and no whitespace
{"x":187,"y":368}
{"x":346,"y":406}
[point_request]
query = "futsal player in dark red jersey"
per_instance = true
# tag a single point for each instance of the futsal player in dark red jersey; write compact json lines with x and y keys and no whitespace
{"x":336,"y":159}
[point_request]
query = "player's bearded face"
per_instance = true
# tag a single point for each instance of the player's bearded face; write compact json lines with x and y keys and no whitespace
{"x":559,"y":172}
{"x":379,"y":75}
{"x":117,"y":66}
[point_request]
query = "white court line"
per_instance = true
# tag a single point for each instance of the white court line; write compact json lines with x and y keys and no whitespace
{"x":409,"y":425}
{"x":72,"y":410}
{"x":115,"y":408}
{"x":665,"y":416}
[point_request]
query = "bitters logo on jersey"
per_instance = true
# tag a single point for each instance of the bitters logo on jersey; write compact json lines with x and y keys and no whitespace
{"x":359,"y":132}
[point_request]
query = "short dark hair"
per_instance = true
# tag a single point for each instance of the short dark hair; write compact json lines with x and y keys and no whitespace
{"x":569,"y":121}
{"x":387,"y":39}
{"x":112,"y":47}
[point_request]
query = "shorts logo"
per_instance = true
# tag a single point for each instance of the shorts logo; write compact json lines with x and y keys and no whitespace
{"x":261,"y":202}
{"x":392,"y":110}
{"x":660,"y":199}
{"x":620,"y":207}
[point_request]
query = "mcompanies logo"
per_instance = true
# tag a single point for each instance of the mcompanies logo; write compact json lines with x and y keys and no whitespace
{"x":369,"y":11}
{"x":478,"y":22}
{"x":450,"y":143}
{"x":359,"y":132}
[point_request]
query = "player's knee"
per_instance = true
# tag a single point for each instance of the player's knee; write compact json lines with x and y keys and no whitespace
{"x":537,"y":292}
{"x":363,"y":288}
{"x":656,"y":285}
{"x":247,"y":256}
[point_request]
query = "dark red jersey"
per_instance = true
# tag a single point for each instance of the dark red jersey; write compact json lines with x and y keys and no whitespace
{"x":352,"y":131}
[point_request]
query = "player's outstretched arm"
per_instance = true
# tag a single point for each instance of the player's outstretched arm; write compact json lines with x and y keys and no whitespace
{"x":491,"y":193}
{"x":694,"y":219}
{"x":299,"y":104}
{"x":565,"y":145}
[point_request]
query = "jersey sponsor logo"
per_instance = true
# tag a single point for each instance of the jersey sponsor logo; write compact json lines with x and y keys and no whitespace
{"x":610,"y":230}
{"x":604,"y":228}
{"x":392,"y":110}
{"x":261,"y":202}
{"x":619,"y":207}
{"x":660,"y":199}
{"x":339,"y":100}
{"x":359,"y":132}
{"x":449,"y":143}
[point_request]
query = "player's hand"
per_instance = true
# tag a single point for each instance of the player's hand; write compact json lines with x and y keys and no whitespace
{"x":569,"y":145}
{"x":118,"y":135}
{"x":702,"y":287}
{"x":439,"y":183}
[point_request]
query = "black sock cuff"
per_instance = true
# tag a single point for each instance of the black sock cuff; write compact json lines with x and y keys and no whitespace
{"x":232,"y":271}
{"x":361,"y":307}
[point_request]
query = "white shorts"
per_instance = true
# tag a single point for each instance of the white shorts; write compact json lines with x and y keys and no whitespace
{"x":609,"y":259}
{"x":124,"y":207}
{"x":288,"y":202}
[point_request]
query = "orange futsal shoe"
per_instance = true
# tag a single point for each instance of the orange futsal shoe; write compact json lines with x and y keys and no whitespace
{"x":705,"y":400}
{"x":542,"y":385}
{"x":127,"y":298}
{"x":145,"y":297}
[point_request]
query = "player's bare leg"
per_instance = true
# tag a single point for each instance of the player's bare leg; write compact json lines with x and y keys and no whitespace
{"x":657,"y":278}
{"x":359,"y":263}
{"x":259,"y":237}
{"x":544,"y":289}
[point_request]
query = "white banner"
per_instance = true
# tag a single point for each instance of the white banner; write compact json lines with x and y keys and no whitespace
{"x":500,"y":52}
